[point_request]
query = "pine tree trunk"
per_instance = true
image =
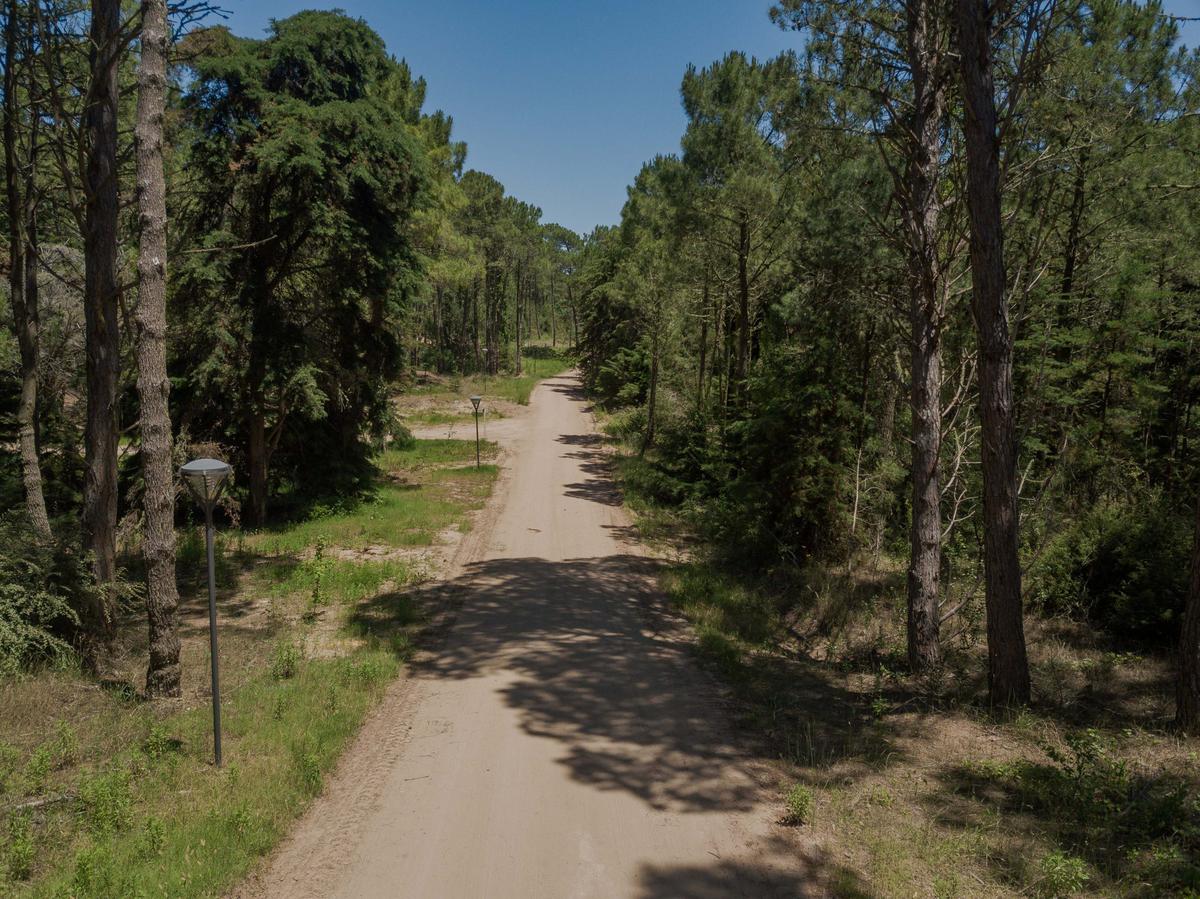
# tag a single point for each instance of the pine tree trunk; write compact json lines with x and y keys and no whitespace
{"x":887,"y":433}
{"x":925,"y":314}
{"x":652,"y":398}
{"x":256,"y":461}
{"x":102,"y":338}
{"x":518,"y":314}
{"x":925,"y":534}
{"x":158,"y":546}
{"x":743,"y":337}
{"x":22,"y":279}
{"x":703,"y":345}
{"x":1008,"y":667}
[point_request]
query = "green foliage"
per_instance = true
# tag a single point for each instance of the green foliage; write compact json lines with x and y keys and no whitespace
{"x":799,"y":804}
{"x":106,"y":801}
{"x":40,"y":583}
{"x":299,"y":149}
{"x":21,"y":850}
{"x":159,"y":742}
{"x":1061,"y":875}
{"x":1100,"y":806}
{"x":285,"y":662}
{"x":1123,"y":566}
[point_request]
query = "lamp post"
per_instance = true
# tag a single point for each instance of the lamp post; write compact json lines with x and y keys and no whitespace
{"x":205,"y":479}
{"x":475,"y":401}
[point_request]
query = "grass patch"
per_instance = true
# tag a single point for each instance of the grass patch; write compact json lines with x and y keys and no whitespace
{"x":410,"y":506}
{"x":103,"y":795}
{"x":919,"y":790}
{"x":537,"y":364}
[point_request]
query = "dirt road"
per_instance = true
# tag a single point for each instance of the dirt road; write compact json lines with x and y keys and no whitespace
{"x":559,"y":742}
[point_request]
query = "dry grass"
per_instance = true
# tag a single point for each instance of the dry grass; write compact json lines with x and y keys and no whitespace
{"x":917,"y":790}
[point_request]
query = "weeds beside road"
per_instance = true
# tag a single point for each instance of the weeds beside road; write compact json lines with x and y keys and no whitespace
{"x":104,"y":795}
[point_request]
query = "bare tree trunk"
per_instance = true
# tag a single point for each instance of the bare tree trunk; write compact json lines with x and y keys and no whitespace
{"x":743,"y":338}
{"x":101,"y":303}
{"x":925,"y":313}
{"x":652,"y":398}
{"x":703,"y":345}
{"x":158,"y":546}
{"x":256,"y":461}
{"x":518,"y":304}
{"x":1008,"y":667}
{"x":1187,"y":696}
{"x":925,"y":534}
{"x":22,"y":276}
{"x":887,"y":431}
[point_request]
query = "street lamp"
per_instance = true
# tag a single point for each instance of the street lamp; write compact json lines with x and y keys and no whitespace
{"x":475,"y":401}
{"x":205,"y":478}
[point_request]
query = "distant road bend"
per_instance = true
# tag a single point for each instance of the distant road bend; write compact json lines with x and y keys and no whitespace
{"x":555,"y":745}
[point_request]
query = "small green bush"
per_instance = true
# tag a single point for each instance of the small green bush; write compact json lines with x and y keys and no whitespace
{"x":106,"y":802}
{"x":402,"y":437}
{"x":1122,"y":567}
{"x":21,"y":850}
{"x":1061,"y":876}
{"x":286,"y":662}
{"x":799,"y":805}
{"x":308,"y":769}
{"x":153,"y":838}
{"x":159,"y":743}
{"x":41,"y":583}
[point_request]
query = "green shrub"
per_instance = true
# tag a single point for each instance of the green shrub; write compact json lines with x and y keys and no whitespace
{"x":98,"y":873}
{"x":402,"y":437}
{"x":286,"y":662}
{"x":21,"y":850}
{"x":1061,"y":876}
{"x":1122,"y":567}
{"x":65,"y":745}
{"x":308,"y":769}
{"x":106,"y":802}
{"x":799,"y":805}
{"x":159,"y":743}
{"x":152,"y":839}
{"x":41,"y":582}
{"x":38,"y":768}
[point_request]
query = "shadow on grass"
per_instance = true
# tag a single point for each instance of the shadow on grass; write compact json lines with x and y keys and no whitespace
{"x":392,"y":618}
{"x":1139,"y":831}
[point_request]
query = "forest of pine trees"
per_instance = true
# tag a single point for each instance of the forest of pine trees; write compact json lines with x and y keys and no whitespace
{"x":904,"y":337}
{"x":927,"y":288}
{"x":324,"y":244}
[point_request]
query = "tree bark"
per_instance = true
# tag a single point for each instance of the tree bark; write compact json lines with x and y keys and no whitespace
{"x":101,"y":303}
{"x":1187,"y":696}
{"x":256,"y":460}
{"x":22,"y":276}
{"x":517,"y":338}
{"x":743,"y":339}
{"x":1008,"y":666}
{"x":158,"y":545}
{"x":922,"y":219}
{"x":652,"y":397}
{"x":703,"y":345}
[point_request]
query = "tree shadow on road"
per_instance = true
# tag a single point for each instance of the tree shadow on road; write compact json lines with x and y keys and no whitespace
{"x":603,"y":673}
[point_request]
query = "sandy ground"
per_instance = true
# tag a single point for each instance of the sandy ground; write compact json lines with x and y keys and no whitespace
{"x":558,"y":741}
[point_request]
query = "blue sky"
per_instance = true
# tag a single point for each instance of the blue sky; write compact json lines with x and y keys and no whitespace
{"x":563,"y":101}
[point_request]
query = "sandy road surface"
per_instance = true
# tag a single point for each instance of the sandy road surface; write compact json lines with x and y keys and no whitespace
{"x":556,"y":744}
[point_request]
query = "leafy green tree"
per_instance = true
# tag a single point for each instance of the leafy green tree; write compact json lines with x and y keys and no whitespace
{"x":287,"y":318}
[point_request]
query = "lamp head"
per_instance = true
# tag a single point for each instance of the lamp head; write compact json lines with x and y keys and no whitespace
{"x":205,"y":478}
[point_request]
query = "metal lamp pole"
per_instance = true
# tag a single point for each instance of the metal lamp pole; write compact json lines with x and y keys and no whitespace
{"x":205,"y":478}
{"x":475,"y":401}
